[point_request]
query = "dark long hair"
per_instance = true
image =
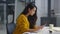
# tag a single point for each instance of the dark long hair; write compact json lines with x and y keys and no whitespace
{"x":31,"y":19}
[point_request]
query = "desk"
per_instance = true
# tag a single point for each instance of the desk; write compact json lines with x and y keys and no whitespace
{"x":45,"y":30}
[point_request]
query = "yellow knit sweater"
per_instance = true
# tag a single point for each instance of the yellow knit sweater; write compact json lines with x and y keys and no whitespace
{"x":22,"y":24}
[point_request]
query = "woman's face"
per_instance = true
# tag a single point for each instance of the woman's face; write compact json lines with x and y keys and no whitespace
{"x":32,"y":11}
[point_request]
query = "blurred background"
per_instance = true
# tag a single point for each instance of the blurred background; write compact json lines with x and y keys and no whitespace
{"x":48,"y":11}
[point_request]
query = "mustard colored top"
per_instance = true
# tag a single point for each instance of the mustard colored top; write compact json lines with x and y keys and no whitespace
{"x":22,"y":24}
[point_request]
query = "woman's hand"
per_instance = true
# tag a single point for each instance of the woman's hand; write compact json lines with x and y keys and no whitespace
{"x":38,"y":27}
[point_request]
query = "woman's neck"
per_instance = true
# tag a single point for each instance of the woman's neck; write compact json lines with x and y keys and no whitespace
{"x":27,"y":15}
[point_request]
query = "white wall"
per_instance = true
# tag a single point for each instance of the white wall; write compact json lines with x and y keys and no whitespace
{"x":58,"y":17}
{"x":19,"y":6}
{"x":55,"y":4}
{"x":58,"y":12}
{"x":52,"y":4}
{"x":42,"y":10}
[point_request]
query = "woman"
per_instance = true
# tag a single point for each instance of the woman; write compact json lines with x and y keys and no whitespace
{"x":27,"y":20}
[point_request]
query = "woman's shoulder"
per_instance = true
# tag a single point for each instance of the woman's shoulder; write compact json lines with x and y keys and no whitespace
{"x":21,"y":16}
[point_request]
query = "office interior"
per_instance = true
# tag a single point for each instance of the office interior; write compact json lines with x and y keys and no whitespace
{"x":47,"y":11}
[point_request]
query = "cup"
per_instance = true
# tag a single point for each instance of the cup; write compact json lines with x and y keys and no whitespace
{"x":51,"y":26}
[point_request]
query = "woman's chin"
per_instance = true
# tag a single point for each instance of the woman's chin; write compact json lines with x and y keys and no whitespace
{"x":31,"y":15}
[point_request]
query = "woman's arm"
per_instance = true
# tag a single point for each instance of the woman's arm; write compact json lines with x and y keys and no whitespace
{"x":35,"y":29}
{"x":38,"y":27}
{"x":32,"y":30}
